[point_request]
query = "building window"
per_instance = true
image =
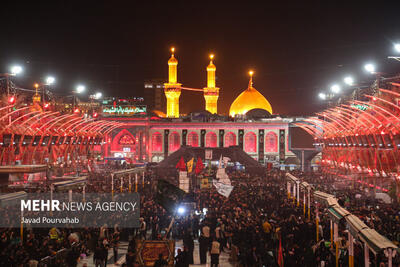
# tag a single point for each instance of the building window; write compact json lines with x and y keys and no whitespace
{"x":230,"y":139}
{"x":156,"y":142}
{"x":271,"y":142}
{"x":174,"y":142}
{"x":211,"y":139}
{"x":193,"y":139}
{"x":250,"y":142}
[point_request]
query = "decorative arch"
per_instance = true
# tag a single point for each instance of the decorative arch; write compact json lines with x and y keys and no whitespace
{"x":193,"y":139}
{"x":123,"y":138}
{"x":156,"y":142}
{"x":230,"y":139}
{"x":174,"y":141}
{"x":211,"y":139}
{"x":271,"y":142}
{"x":250,"y":142}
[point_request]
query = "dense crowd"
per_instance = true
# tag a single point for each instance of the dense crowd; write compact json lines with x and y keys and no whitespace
{"x":257,"y":225}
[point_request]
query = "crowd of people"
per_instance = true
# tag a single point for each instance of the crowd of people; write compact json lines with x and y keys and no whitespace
{"x":257,"y":226}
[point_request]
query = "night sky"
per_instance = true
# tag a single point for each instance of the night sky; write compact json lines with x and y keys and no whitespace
{"x":296,"y":50}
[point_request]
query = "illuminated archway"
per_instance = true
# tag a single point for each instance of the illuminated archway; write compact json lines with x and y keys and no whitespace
{"x":230,"y":139}
{"x":250,"y":142}
{"x":193,"y":139}
{"x":271,"y":142}
{"x":174,"y":141}
{"x":211,"y":139}
{"x":123,"y":138}
{"x":156,"y":142}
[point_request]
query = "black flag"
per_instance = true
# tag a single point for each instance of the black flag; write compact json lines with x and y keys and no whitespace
{"x":168,"y":195}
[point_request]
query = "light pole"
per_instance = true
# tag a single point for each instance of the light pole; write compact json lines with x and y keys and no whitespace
{"x":396,"y":48}
{"x":15,"y":70}
{"x":79,"y":90}
{"x":49,"y":81}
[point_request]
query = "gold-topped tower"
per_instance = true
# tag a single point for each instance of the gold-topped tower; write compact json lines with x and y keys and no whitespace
{"x":211,"y":93}
{"x":36,"y":98}
{"x":172,"y":89}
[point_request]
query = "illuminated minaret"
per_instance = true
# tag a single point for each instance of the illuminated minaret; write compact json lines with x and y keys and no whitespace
{"x":211,"y":92}
{"x":172,"y":89}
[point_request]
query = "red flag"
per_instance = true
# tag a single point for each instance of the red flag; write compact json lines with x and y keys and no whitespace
{"x":199,"y":166}
{"x":181,"y":165}
{"x":280,"y":254}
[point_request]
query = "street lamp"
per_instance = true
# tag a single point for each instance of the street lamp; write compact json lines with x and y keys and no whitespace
{"x":370,"y":68}
{"x":98,"y":95}
{"x":348,"y":80}
{"x":397,"y":47}
{"x":80,"y":89}
{"x":50,"y":80}
{"x":322,"y":96}
{"x":335,"y":88}
{"x":15,"y":70}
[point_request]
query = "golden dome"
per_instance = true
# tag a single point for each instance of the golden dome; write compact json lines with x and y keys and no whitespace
{"x":211,"y":66}
{"x":249,"y":99}
{"x":172,"y":60}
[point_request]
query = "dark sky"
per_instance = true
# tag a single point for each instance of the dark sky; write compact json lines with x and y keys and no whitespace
{"x":296,"y":50}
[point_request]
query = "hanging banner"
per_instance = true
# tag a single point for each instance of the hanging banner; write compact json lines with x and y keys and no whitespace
{"x":183,"y":181}
{"x":223,"y":189}
{"x":208,"y":154}
{"x":223,"y":177}
{"x":226,"y":160}
{"x":204,"y":183}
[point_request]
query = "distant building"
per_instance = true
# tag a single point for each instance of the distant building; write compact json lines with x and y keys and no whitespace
{"x":154,"y":95}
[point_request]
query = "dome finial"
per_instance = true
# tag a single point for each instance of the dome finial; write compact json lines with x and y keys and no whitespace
{"x":172,"y":50}
{"x":211,"y":57}
{"x":251,"y":78}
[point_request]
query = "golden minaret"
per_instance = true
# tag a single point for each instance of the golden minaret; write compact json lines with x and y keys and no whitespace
{"x":172,"y":89}
{"x":36,"y":98}
{"x":211,"y":93}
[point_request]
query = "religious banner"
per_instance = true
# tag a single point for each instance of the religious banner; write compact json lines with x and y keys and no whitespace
{"x":148,"y":251}
{"x":222,"y":176}
{"x":204,"y":183}
{"x":223,"y":189}
{"x":189,"y":165}
{"x":226,"y":160}
{"x":208,"y":154}
{"x":181,"y":165}
{"x":183,"y":181}
{"x":199,"y":166}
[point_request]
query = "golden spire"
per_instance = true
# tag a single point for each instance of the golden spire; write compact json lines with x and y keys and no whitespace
{"x":172,"y":89}
{"x":251,"y":78}
{"x":211,"y":93}
{"x":172,"y":68}
{"x":211,"y":73}
{"x":36,"y":97}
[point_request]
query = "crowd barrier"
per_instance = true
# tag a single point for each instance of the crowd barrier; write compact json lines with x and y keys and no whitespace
{"x":372,"y":240}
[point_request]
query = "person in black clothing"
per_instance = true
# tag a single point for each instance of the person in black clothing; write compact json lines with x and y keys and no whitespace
{"x":72,"y":257}
{"x":180,"y":258}
{"x":98,"y":256}
{"x":189,"y":244}
{"x":130,"y":259}
{"x":160,"y":262}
